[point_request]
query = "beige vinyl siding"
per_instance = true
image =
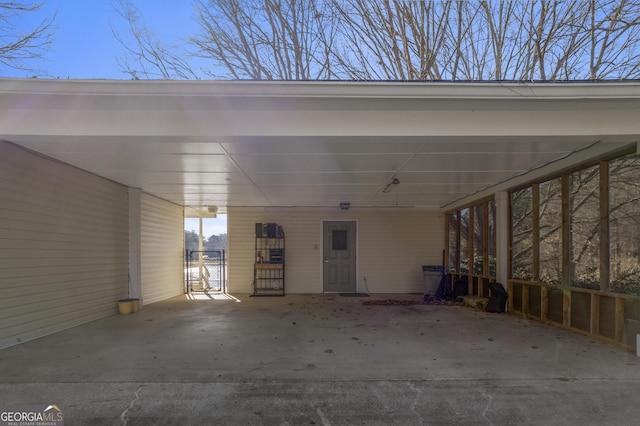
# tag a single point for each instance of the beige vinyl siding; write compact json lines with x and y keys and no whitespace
{"x":63,"y":246}
{"x":240,"y":246}
{"x":392,"y":246}
{"x":162,"y":249}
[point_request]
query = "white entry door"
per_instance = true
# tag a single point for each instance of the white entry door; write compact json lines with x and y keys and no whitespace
{"x":339,"y":256}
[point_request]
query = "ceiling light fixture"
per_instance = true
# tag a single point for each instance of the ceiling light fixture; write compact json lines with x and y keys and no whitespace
{"x":391,"y":185}
{"x":345,"y":206}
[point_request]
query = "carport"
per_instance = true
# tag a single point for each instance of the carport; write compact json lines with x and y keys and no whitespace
{"x":95,"y":179}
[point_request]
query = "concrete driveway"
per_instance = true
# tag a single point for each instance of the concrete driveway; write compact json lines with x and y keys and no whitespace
{"x":321,"y":360}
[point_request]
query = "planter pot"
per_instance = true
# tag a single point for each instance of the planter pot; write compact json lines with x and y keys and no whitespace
{"x":136,"y":305}
{"x":125,"y":306}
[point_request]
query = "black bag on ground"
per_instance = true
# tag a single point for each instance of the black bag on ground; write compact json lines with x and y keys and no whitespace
{"x":497,"y":299}
{"x":461,"y":287}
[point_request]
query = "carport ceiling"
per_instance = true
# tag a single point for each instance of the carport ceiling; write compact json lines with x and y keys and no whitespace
{"x":313,"y":144}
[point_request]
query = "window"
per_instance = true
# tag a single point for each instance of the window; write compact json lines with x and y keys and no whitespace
{"x":584,"y":217}
{"x":464,"y":241}
{"x":454,"y":249}
{"x":491,"y":238}
{"x":522,"y":234}
{"x":550,"y":228}
{"x":339,"y":240}
{"x":472,"y":238}
{"x":478,"y":239}
{"x":624,"y":225}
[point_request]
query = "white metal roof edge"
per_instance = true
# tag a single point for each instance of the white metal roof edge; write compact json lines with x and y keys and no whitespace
{"x":328,"y":89}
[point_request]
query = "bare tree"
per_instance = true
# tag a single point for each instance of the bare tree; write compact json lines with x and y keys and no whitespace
{"x":613,"y":42}
{"x":398,"y":40}
{"x":266,"y":39}
{"x":19,"y":49}
{"x":405,"y":40}
{"x":500,"y":40}
{"x":145,"y":55}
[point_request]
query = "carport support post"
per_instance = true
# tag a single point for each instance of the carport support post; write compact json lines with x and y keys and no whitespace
{"x":502,"y":237}
{"x":135,"y":246}
{"x":200,"y":249}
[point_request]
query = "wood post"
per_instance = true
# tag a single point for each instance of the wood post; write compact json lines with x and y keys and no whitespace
{"x":619,"y":324}
{"x":594,"y":324}
{"x":544,"y":303}
{"x":566,"y":308}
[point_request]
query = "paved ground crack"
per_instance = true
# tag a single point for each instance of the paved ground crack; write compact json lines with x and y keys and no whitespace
{"x":418,"y":394}
{"x":323,"y":417}
{"x":262,"y":365}
{"x":487,"y":408}
{"x":136,"y":398}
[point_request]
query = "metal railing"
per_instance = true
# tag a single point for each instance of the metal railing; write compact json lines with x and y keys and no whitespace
{"x":206,"y":271}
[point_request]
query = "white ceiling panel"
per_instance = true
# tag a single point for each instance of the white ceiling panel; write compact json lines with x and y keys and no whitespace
{"x":119,"y":144}
{"x":122,"y":162}
{"x":316,"y":143}
{"x":222,"y":201}
{"x":469,"y":162}
{"x":207,"y":189}
{"x":143,"y":179}
{"x":322,"y":178}
{"x":290,"y":145}
{"x":501,"y":144}
{"x":292,"y":190}
{"x":445,"y":177}
{"x":252,"y":164}
{"x":318,"y":200}
{"x":452,"y":188}
{"x":422,"y":200}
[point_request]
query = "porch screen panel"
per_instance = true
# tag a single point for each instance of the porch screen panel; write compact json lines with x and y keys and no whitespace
{"x":551,"y":232}
{"x":584,"y":216}
{"x":478,"y":239}
{"x":522,"y":234}
{"x":454,"y":249}
{"x":624,"y":225}
{"x":491,"y":238}
{"x":464,"y":241}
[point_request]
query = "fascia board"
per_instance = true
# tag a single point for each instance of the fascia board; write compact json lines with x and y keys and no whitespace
{"x":327,"y":89}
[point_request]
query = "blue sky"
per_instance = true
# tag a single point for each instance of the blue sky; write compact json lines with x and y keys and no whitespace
{"x":84,"y":46}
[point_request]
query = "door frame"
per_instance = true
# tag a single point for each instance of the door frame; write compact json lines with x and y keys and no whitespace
{"x":357,"y":250}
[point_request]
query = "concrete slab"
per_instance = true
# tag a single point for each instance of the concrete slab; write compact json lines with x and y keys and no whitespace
{"x":325,"y":360}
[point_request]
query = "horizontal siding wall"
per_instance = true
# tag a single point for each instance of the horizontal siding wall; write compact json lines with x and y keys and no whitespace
{"x":63,"y":246}
{"x":240,"y":246}
{"x":162,"y":249}
{"x":392,"y":247}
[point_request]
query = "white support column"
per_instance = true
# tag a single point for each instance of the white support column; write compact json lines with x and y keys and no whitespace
{"x":135,"y":246}
{"x":202,"y":281}
{"x":502,"y":237}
